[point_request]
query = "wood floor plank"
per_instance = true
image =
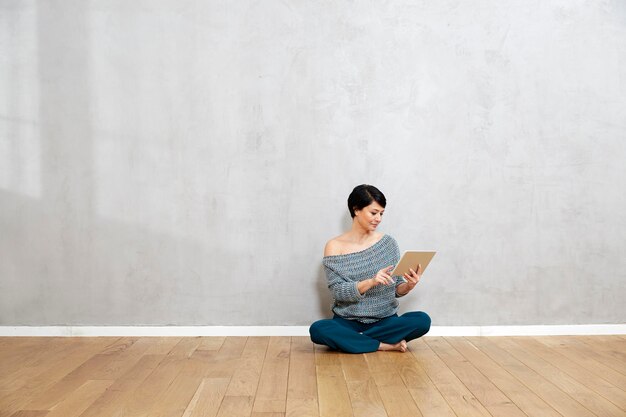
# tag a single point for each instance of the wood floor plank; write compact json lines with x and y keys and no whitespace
{"x":24,"y":362}
{"x":245,"y":379}
{"x":427,"y":397}
{"x":236,"y":406}
{"x":180,"y":392}
{"x":489,"y":395}
{"x":120,"y":345}
{"x":583,"y":376}
{"x":186,"y":347}
{"x":213,"y":343}
{"x":364,"y":395}
{"x":302,"y":407}
{"x":224,"y":362}
{"x":123,"y":360}
{"x":460,"y":399}
{"x":333,"y":396}
{"x":271,"y":395}
{"x":332,"y":390}
{"x":76,"y":355}
{"x":27,"y":364}
{"x":18,"y":342}
{"x":584,"y":356}
{"x":73,"y":351}
{"x":22,"y":352}
{"x":593,"y":402}
{"x":113,"y":401}
{"x":30,"y":413}
{"x":365,"y":398}
{"x":395,"y":396}
{"x":57,"y":392}
{"x":162,"y":345}
{"x":220,"y":367}
{"x":398,"y":402}
{"x":325,"y":356}
{"x":529,"y":402}
{"x":232,"y":347}
{"x":611,"y":345}
{"x":152,"y":388}
{"x":550,"y":393}
{"x":208,"y":398}
{"x":302,"y":381}
{"x":80,"y":399}
{"x":355,"y":367}
{"x":302,"y":384}
{"x":608,"y":350}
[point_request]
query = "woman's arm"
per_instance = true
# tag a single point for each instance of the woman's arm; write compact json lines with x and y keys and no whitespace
{"x":353,"y":291}
{"x":382,"y":277}
{"x":365,"y":285}
{"x":341,"y":289}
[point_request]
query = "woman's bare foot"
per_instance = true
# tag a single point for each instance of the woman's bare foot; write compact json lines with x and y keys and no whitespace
{"x":400,"y":346}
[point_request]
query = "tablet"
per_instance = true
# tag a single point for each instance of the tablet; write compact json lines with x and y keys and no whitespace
{"x":410,"y":259}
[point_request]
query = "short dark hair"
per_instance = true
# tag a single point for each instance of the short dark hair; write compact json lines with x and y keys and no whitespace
{"x":363,"y":195}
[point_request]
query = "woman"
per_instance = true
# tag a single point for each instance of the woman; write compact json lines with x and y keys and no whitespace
{"x":358,"y":264}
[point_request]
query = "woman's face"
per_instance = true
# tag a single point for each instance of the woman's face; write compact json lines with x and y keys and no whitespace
{"x":369,"y":217}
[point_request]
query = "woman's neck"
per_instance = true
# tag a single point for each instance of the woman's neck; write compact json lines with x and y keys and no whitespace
{"x":359,"y":234}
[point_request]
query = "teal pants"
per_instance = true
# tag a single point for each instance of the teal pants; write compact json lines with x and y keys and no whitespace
{"x":355,"y":337}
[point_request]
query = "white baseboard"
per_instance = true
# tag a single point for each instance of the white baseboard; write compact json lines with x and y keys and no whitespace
{"x":92,"y":331}
{"x":530,"y":330}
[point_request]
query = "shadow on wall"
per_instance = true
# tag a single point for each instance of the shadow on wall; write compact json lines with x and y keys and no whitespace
{"x":76,"y":266}
{"x":325,"y":299}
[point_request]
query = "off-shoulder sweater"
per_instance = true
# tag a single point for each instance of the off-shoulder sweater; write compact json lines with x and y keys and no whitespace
{"x":344,"y":273}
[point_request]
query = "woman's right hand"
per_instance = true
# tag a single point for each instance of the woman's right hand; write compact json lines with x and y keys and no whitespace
{"x":382,"y":277}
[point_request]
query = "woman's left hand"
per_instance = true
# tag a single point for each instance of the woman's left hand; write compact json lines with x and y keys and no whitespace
{"x":413,"y":277}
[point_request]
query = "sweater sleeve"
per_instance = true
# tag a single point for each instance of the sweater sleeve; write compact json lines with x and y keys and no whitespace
{"x":399,"y":280}
{"x":342,"y":289}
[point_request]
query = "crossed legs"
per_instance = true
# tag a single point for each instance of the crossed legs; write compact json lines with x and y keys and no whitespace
{"x":355,"y":337}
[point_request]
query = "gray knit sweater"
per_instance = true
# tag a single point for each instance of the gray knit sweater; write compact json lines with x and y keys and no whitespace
{"x":345,"y":271}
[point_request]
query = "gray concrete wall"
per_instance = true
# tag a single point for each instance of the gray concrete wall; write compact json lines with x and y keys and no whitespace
{"x":184,"y":162}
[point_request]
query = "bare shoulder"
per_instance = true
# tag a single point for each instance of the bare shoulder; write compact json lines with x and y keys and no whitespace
{"x":342,"y":244}
{"x":333,"y":247}
{"x":337,"y":245}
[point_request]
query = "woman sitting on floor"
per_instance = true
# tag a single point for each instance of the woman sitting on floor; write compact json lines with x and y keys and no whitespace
{"x":358,"y":265}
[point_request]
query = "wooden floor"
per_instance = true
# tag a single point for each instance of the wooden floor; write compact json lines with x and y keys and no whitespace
{"x":288,"y":376}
